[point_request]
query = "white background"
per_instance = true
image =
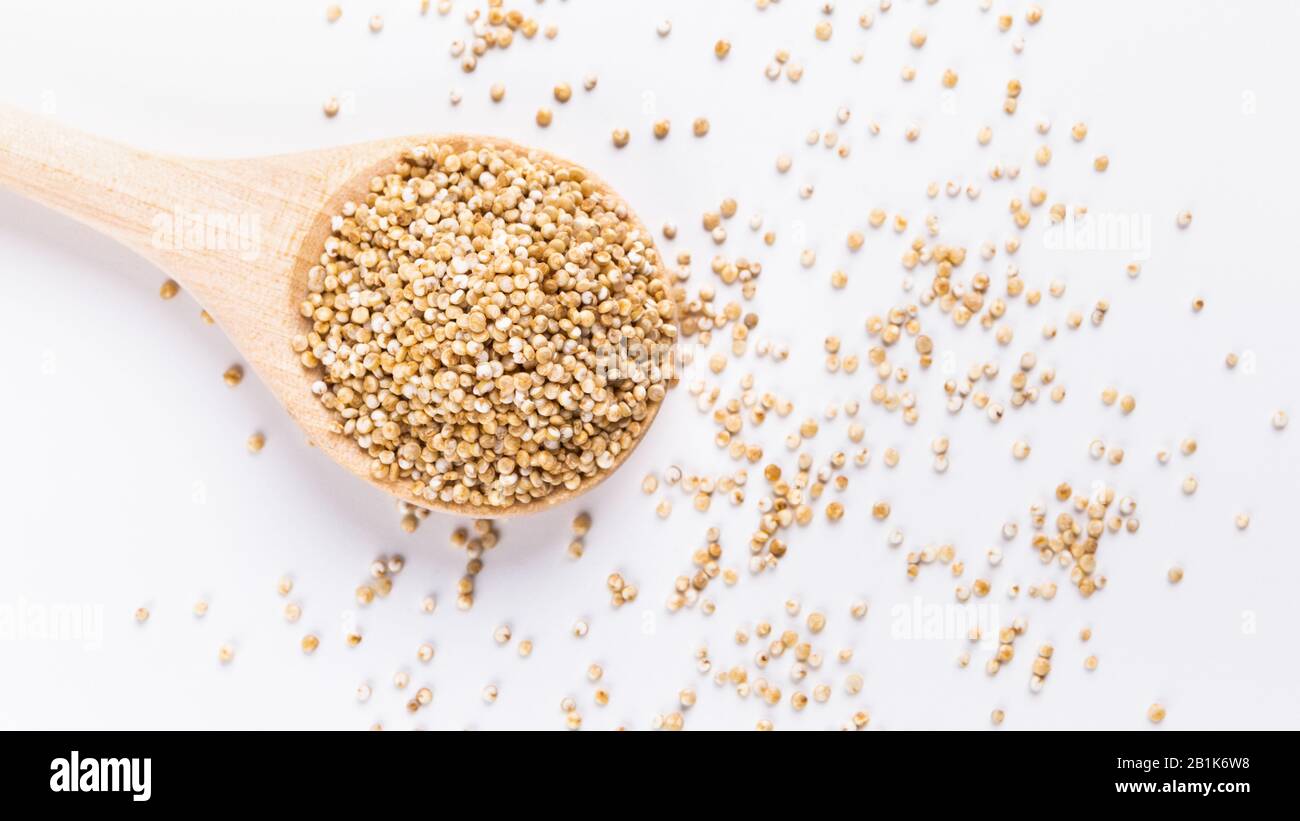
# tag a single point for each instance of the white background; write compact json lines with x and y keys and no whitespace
{"x":127,"y":484}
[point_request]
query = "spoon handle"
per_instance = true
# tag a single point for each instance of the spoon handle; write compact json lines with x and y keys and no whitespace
{"x":113,"y":188}
{"x":217,"y":226}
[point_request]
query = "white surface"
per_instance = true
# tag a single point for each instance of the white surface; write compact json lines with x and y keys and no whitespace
{"x":127,"y":482}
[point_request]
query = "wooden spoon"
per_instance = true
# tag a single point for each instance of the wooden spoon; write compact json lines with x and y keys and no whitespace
{"x":265,"y":221}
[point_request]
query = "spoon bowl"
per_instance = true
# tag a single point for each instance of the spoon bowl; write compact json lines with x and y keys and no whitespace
{"x":241,"y":235}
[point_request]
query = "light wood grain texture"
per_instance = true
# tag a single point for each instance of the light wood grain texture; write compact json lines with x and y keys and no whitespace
{"x":266,"y":220}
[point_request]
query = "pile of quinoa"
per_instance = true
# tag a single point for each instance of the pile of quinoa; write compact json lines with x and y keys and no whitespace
{"x":488,"y":324}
